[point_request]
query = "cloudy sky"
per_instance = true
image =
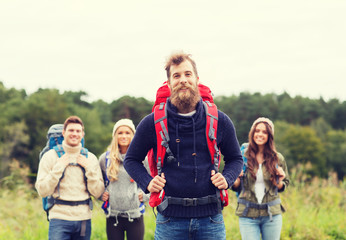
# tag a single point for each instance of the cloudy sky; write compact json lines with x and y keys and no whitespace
{"x":112,"y":48}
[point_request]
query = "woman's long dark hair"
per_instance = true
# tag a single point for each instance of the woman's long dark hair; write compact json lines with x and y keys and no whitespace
{"x":269,"y":154}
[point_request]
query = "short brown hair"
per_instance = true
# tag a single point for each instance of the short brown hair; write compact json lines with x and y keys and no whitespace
{"x":73,"y":119}
{"x":176,"y":59}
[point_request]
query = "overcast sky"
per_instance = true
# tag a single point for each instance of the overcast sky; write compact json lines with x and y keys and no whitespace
{"x":113,"y":48}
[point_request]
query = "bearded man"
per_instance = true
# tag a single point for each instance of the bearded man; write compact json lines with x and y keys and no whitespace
{"x":190,"y":178}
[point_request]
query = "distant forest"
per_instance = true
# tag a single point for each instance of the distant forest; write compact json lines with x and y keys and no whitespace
{"x":310,"y":133}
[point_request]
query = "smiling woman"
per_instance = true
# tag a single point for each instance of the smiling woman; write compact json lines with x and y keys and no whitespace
{"x":259,"y":205}
{"x":123,"y":200}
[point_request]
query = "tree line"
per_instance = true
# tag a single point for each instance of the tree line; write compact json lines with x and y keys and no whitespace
{"x":308,"y":132}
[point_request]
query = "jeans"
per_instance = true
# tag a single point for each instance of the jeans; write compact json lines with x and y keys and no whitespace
{"x":206,"y":228}
{"x":69,"y":230}
{"x":253,"y":228}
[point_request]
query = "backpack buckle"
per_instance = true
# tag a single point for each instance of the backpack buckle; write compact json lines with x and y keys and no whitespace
{"x":188,"y":202}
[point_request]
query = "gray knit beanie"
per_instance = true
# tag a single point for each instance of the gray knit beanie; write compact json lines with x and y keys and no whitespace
{"x":124,"y":122}
{"x":263,"y":119}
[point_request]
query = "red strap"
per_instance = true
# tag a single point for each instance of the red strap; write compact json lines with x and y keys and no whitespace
{"x":211,"y":128}
{"x":159,"y":119}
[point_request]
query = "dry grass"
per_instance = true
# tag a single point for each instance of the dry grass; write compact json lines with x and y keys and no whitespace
{"x":315,"y":210}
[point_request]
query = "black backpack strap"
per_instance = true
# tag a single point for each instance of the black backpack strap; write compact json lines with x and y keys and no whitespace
{"x":267,"y":206}
{"x":53,"y":201}
{"x":60,"y":152}
{"x":187,"y":202}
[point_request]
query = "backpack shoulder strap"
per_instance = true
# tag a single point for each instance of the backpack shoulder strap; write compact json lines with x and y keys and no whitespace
{"x":107,"y":163}
{"x":211,"y":132}
{"x":84,"y":151}
{"x":212,"y":118}
{"x":59,"y":150}
{"x":243,"y":149}
{"x":162,"y":137}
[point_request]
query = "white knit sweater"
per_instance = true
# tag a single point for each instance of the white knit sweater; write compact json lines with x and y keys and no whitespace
{"x":72,"y":186}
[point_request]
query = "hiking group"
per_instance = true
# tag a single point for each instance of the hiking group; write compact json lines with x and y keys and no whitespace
{"x":171,"y":160}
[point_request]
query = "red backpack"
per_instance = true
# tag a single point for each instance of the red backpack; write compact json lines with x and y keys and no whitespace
{"x":160,"y":118}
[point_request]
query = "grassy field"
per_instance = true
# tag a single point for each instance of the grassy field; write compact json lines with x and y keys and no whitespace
{"x":314,"y":211}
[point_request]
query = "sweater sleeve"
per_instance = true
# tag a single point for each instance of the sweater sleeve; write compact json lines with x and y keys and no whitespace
{"x":142,"y":142}
{"x":49,"y":172}
{"x":229,"y":147}
{"x":283,"y":164}
{"x":147,"y":195}
{"x":94,"y":176}
{"x":102,"y":162}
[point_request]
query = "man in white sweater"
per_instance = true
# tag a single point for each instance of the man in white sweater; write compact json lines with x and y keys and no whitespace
{"x":79,"y":175}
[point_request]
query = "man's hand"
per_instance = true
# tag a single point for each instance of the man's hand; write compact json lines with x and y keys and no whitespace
{"x":82,"y":160}
{"x":64,"y":159}
{"x":105,"y":196}
{"x":218,"y":180}
{"x":157,"y":183}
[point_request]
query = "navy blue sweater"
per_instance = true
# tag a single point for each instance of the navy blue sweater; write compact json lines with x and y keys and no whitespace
{"x":187,"y":177}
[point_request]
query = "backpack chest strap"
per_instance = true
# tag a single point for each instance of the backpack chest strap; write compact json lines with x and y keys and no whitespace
{"x":267,"y":206}
{"x":54,"y":201}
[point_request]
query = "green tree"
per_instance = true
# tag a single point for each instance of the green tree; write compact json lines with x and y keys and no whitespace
{"x":97,"y":135}
{"x":281,"y":128}
{"x":321,"y":128}
{"x":304,"y":147}
{"x":130,"y":107}
{"x":104,"y":111}
{"x":13,"y":138}
{"x":336,"y":152}
{"x":14,"y":146}
{"x":41,"y":110}
{"x":339,"y":116}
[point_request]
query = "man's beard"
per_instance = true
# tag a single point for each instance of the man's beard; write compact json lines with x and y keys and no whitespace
{"x":185,"y":101}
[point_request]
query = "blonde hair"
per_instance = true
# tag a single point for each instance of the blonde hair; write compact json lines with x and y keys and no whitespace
{"x":114,"y":157}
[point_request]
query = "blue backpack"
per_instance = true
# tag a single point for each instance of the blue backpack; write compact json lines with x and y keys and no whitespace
{"x":243,"y":147}
{"x":54,"y":141}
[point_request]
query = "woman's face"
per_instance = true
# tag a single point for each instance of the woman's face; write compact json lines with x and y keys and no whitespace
{"x":124,"y":135}
{"x":260,"y":136}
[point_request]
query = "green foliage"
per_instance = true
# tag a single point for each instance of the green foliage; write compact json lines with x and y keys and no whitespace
{"x":304,"y":147}
{"x":336,"y":148}
{"x":97,"y":135}
{"x":15,"y":145}
{"x":339,"y":116}
{"x":41,"y":110}
{"x":104,"y":111}
{"x":130,"y":107}
{"x":25,"y":119}
{"x":76,"y":98}
{"x":321,"y":128}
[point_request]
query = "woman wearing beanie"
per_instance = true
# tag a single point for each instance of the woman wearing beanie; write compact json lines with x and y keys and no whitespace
{"x":264,"y":176}
{"x":124,"y":201}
